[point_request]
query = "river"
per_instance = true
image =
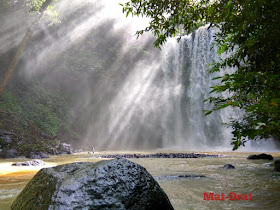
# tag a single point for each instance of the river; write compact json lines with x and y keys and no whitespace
{"x":250,"y":176}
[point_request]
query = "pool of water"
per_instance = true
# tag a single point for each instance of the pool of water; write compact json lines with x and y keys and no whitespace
{"x":255,"y":177}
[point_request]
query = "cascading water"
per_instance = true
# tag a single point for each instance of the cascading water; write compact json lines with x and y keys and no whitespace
{"x":185,"y":66}
{"x":160,"y":104}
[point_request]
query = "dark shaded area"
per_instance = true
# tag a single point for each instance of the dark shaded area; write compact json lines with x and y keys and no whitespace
{"x":262,"y":156}
{"x":277,"y":165}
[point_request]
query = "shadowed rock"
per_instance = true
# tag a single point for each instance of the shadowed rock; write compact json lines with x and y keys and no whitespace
{"x":12,"y":153}
{"x":262,"y":156}
{"x":64,"y":148}
{"x":228,"y":167}
{"x":277,"y":165}
{"x":110,"y":184}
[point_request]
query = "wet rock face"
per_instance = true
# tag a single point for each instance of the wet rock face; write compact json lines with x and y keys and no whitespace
{"x":262,"y":156}
{"x":110,"y":184}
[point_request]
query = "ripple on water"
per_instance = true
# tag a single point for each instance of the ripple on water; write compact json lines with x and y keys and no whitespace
{"x":256,"y":177}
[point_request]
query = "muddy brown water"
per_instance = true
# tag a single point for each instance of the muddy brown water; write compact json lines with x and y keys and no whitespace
{"x":254,"y":180}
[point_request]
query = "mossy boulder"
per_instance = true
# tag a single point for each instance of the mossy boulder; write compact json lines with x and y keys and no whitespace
{"x":108,"y":184}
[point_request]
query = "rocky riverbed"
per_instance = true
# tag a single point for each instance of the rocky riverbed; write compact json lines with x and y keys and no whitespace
{"x":160,"y":155}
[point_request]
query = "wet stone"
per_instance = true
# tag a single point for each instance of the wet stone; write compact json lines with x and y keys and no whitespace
{"x":228,"y":167}
{"x":262,"y":156}
{"x":108,"y":184}
{"x":30,"y":163}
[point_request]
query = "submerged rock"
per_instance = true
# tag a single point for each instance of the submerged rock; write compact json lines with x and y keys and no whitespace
{"x":228,"y":166}
{"x":181,"y":176}
{"x":30,"y":163}
{"x":262,"y":156}
{"x":108,"y":184}
{"x":277,"y":165}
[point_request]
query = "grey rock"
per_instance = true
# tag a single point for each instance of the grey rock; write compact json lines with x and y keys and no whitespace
{"x":5,"y":140}
{"x":30,"y":163}
{"x":12,"y":153}
{"x":262,"y":156}
{"x":63,"y":147}
{"x":108,"y":184}
{"x":228,"y":167}
{"x":277,"y":165}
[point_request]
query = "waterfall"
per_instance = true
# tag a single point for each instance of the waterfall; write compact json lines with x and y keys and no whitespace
{"x":160,"y":103}
{"x":188,"y":82}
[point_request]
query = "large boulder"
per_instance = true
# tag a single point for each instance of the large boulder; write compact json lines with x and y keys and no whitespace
{"x":65,"y":148}
{"x":108,"y":184}
{"x":262,"y":156}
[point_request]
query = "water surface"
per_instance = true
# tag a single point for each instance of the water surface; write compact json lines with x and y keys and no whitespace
{"x":250,"y":176}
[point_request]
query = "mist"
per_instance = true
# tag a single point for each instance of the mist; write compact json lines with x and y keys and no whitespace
{"x":121,"y":92}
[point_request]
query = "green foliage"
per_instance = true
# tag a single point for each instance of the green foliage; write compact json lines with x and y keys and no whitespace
{"x":169,"y":17}
{"x":27,"y":137}
{"x":35,"y":145}
{"x":43,"y":107}
{"x":248,"y":32}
